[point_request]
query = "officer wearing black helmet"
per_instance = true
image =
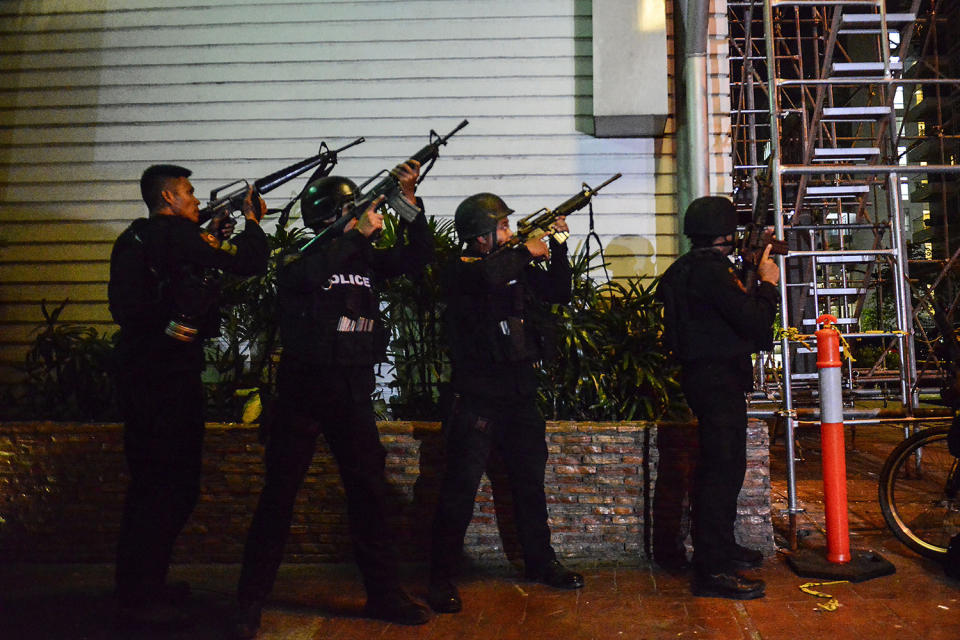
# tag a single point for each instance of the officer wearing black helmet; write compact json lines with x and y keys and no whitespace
{"x":712,"y":325}
{"x":494,"y":342}
{"x":332,"y":337}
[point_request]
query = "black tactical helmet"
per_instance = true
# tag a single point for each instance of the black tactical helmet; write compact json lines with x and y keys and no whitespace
{"x":710,"y":216}
{"x":478,"y":215}
{"x":322,"y":201}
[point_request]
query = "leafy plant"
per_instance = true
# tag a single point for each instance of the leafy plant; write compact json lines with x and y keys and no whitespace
{"x":609,"y":363}
{"x":412,"y":311}
{"x":606,"y":362}
{"x":241,"y":362}
{"x":67,"y":373}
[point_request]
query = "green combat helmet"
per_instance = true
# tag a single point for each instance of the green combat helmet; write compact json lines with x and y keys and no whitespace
{"x":322,"y":201}
{"x":478,"y":215}
{"x":710,"y":217}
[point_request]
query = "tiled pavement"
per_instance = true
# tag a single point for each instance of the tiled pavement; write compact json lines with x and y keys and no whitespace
{"x":618,"y":603}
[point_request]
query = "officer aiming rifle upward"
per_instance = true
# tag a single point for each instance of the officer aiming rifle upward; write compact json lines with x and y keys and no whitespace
{"x":387,"y":190}
{"x":540,"y":224}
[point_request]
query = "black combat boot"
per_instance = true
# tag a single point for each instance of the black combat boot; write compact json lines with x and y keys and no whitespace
{"x":744,"y":558}
{"x":396,"y":606}
{"x":443,"y":597}
{"x":556,"y":575}
{"x":727,"y":585}
{"x":246,"y":620}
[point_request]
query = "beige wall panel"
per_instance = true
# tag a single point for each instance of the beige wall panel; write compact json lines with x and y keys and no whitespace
{"x":93,"y":91}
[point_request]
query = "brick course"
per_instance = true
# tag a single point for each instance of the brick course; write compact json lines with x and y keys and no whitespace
{"x":62,"y":486}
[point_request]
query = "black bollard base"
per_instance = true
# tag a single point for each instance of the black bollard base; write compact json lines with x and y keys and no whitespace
{"x":863,"y":565}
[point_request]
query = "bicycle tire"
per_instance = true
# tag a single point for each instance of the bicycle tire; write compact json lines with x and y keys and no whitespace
{"x":919,"y":497}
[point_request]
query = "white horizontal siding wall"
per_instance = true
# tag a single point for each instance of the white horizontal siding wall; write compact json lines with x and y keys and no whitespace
{"x":93,"y":91}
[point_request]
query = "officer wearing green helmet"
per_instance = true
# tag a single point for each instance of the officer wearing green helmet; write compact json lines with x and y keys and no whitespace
{"x":494,"y":340}
{"x":712,"y":326}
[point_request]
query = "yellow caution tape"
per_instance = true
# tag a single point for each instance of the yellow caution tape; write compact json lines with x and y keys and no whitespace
{"x":832,"y":603}
{"x":792,"y":334}
{"x":846,"y":348}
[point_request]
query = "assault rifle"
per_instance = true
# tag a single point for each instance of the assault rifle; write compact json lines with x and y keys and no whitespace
{"x":539,"y":224}
{"x":389,"y":188}
{"x":229,"y":198}
{"x":756,"y":237}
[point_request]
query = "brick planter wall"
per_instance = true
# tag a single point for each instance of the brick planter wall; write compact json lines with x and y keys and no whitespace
{"x":62,"y":486}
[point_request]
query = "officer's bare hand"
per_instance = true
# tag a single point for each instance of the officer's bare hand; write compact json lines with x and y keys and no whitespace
{"x":407,"y":174}
{"x":560,"y":224}
{"x":371,"y":220}
{"x":768,"y":269}
{"x":222,"y":225}
{"x":254,"y":208}
{"x":537,"y":248}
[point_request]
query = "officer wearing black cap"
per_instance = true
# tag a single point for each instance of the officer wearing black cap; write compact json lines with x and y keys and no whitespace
{"x":712,"y":325}
{"x":494,"y":341}
{"x":332,"y":337}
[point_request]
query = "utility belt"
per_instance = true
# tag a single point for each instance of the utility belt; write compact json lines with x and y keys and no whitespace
{"x":350,"y":325}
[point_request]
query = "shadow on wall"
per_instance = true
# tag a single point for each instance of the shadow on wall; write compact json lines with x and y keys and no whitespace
{"x":632,"y":256}
{"x":55,"y":194}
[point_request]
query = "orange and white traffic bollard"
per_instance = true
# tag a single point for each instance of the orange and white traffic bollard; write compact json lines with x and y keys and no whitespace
{"x":831,"y":440}
{"x":839,"y":562}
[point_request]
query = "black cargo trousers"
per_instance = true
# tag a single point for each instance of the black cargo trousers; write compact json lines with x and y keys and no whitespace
{"x":472,"y":431}
{"x":715,"y":389}
{"x":163,"y":444}
{"x":336,"y":403}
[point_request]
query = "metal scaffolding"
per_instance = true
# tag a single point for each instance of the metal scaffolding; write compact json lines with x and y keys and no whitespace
{"x":846,"y":105}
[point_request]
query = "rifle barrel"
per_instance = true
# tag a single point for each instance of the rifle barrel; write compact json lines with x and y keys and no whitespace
{"x":609,"y":180}
{"x":277,"y":178}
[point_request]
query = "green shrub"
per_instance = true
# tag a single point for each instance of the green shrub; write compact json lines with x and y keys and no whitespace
{"x":67,"y":374}
{"x":605,"y":363}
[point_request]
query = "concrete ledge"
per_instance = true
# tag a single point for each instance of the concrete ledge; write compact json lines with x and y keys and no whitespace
{"x":62,"y":486}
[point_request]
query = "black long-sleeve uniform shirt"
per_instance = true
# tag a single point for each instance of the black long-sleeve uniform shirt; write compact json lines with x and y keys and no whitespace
{"x":156,"y":267}
{"x":329,"y":309}
{"x":493,"y":337}
{"x":707,"y":312}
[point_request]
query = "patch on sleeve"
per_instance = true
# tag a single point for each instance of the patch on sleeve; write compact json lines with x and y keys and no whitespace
{"x":209,"y":238}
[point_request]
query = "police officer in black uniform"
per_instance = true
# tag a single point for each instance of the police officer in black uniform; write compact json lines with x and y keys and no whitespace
{"x":163,"y":294}
{"x":332,"y":337}
{"x":712,"y":325}
{"x":494,"y":342}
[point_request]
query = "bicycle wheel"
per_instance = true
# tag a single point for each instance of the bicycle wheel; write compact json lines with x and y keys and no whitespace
{"x":919,"y":493}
